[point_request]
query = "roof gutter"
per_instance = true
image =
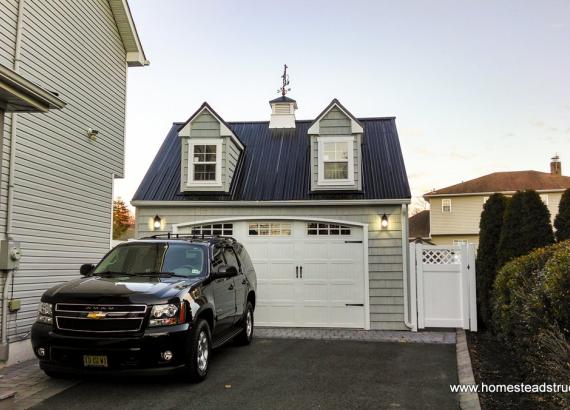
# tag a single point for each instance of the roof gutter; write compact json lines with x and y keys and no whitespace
{"x":146,"y":203}
{"x":435,"y":195}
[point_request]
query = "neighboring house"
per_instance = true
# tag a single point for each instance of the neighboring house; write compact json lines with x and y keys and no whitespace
{"x":308,"y":200}
{"x":455,"y":211}
{"x":419,"y":228}
{"x":63,"y":73}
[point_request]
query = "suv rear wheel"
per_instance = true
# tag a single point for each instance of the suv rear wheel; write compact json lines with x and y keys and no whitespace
{"x":198,"y":360}
{"x":246,"y":334}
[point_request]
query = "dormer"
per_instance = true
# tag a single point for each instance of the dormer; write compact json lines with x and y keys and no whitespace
{"x":210,"y":152}
{"x":282,"y":113}
{"x":336,"y":155}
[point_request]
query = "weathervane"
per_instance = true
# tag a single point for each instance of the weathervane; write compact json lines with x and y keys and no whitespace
{"x":283,"y":90}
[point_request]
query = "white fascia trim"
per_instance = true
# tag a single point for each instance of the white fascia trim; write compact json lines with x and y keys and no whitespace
{"x":204,"y":141}
{"x":427,"y":196}
{"x":190,"y":204}
{"x":135,"y":56}
{"x":355,"y":128}
{"x":224,"y":131}
{"x":321,"y":181}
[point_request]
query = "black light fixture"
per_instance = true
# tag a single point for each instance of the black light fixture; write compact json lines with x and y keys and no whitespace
{"x":157,"y":222}
{"x":384,"y":221}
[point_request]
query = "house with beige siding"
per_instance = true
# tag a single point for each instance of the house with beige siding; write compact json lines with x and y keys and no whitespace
{"x":63,"y":73}
{"x":321,"y":205}
{"x":455,"y":211}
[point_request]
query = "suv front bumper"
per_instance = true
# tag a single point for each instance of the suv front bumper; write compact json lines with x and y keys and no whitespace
{"x":125,"y":355}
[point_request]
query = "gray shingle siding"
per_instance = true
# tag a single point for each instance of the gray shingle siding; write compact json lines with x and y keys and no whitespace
{"x":63,"y":191}
{"x":206,"y":126}
{"x":385,"y":262}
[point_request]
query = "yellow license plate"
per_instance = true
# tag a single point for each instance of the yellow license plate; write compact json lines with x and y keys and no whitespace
{"x":95,"y":361}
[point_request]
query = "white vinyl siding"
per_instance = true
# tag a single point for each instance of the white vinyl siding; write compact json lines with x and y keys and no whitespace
{"x":63,"y":190}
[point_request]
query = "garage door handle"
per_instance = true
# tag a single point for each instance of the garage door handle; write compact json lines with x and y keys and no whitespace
{"x":355,"y":304}
{"x":301,"y":272}
{"x":297,"y":272}
{"x":352,"y":241}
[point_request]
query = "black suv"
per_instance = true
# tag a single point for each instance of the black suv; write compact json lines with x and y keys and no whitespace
{"x":154,"y":305}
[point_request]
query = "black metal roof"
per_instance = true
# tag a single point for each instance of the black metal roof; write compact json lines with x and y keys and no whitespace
{"x":275,"y":166}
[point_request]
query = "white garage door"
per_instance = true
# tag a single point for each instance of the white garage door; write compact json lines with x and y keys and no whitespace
{"x":309,"y":273}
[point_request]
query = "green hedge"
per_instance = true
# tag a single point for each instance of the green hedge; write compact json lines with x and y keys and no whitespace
{"x":531,"y":313}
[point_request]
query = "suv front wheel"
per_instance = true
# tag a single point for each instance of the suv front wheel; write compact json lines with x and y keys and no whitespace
{"x":198,"y":360}
{"x":246,"y":334}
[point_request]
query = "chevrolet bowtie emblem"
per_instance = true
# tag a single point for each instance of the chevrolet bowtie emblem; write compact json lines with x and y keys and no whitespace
{"x":96,"y":315}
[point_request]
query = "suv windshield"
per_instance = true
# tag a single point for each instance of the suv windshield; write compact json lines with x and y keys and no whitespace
{"x":151,"y":258}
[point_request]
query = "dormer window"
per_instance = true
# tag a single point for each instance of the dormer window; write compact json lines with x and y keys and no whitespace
{"x":336,"y":160}
{"x":204,"y":164}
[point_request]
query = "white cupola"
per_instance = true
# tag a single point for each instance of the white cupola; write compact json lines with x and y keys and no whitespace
{"x":282,"y":112}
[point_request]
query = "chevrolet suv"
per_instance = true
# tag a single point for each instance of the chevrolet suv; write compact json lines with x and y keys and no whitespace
{"x":154,"y":305}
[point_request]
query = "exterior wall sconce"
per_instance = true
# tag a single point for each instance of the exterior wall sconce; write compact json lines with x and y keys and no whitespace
{"x":384,"y":221}
{"x":157,"y":221}
{"x":92,"y":134}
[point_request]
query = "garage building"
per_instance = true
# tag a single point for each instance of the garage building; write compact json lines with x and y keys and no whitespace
{"x":321,"y":206}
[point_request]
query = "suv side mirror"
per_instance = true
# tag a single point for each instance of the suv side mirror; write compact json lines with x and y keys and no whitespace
{"x":226,"y":271}
{"x":86,"y":269}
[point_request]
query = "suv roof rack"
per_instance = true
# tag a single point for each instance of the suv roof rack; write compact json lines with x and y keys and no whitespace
{"x":170,"y":235}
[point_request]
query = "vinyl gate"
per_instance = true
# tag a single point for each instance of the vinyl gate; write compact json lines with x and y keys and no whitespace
{"x":444,"y":280}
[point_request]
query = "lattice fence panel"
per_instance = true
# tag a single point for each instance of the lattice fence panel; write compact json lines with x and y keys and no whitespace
{"x":441,"y":257}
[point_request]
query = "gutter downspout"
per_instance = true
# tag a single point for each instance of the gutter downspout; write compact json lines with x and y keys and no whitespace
{"x":408,"y":321}
{"x":4,"y":349}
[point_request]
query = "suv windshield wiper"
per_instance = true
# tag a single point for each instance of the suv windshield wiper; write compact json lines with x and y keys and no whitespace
{"x":108,"y":272}
{"x":166,"y":274}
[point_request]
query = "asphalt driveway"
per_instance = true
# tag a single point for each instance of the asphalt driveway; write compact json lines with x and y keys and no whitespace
{"x":290,"y":374}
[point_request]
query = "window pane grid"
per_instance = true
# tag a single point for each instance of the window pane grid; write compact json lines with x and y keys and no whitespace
{"x":214,"y":229}
{"x":204,"y":162}
{"x":325,"y":229}
{"x":269,"y":229}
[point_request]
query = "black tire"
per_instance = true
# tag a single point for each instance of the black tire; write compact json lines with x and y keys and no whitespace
{"x":246,"y":335}
{"x":197,"y":364}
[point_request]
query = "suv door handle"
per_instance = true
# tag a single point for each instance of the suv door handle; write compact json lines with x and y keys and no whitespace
{"x":297,"y":272}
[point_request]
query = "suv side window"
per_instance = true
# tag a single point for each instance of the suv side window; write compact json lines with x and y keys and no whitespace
{"x":217,"y":258}
{"x":231,"y":259}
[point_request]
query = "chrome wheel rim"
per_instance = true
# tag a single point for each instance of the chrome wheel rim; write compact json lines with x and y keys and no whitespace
{"x":203,"y":351}
{"x":249,"y":323}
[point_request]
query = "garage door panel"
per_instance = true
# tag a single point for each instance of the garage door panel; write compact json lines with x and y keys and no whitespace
{"x":332,"y":277}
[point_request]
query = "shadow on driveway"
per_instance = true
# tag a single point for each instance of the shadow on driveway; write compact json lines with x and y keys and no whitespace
{"x":290,"y":374}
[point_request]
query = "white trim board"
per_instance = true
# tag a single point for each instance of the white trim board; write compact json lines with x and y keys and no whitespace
{"x":191,"y":204}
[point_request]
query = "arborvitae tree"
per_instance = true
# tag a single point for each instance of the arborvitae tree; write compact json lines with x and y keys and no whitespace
{"x":562,"y":221}
{"x":489,"y":235}
{"x":526,"y":227}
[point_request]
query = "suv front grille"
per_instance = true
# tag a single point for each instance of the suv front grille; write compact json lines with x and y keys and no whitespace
{"x":99,"y":318}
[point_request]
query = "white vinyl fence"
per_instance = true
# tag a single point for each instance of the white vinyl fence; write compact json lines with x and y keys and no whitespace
{"x":444,"y":278}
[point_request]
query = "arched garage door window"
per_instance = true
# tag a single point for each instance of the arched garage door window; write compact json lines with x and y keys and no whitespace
{"x":214,"y":229}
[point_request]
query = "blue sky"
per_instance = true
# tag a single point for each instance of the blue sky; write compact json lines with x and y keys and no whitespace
{"x":476,"y":86}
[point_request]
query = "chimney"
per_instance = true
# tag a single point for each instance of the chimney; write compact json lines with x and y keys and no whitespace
{"x":283,"y":113}
{"x":555,"y":165}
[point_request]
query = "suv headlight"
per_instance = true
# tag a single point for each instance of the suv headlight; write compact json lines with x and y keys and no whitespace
{"x":167,"y":315}
{"x":45,"y":313}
